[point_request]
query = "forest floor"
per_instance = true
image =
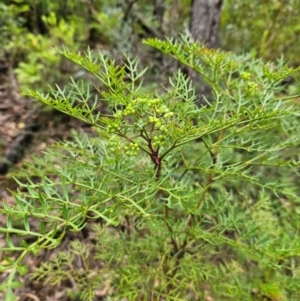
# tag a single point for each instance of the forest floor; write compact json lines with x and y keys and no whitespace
{"x":27,"y":129}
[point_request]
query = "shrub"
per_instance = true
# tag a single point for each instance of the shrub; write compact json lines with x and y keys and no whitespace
{"x":185,"y":202}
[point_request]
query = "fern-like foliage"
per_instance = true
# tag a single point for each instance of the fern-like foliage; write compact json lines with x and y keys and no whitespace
{"x":205,"y":196}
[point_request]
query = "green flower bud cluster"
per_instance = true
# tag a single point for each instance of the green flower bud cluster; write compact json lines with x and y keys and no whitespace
{"x":165,"y":111}
{"x":159,"y":140}
{"x":160,"y":110}
{"x":158,"y":123}
{"x":114,"y":144}
{"x":252,"y":88}
{"x":131,"y":149}
{"x":114,"y":126}
{"x":164,"y":129}
{"x":155,"y":120}
{"x":152,"y":102}
{"x":129,"y":110}
{"x":158,"y":117}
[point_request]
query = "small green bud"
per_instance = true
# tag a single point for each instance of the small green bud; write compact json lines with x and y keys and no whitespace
{"x":141,"y":100}
{"x":169,"y":114}
{"x":245,"y":75}
{"x":118,"y":114}
{"x":163,"y":128}
{"x":153,"y":119}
